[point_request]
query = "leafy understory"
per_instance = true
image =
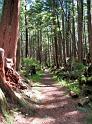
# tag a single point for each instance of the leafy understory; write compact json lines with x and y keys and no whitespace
{"x":71,"y":86}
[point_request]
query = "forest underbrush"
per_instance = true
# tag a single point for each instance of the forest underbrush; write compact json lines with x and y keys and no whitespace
{"x":78,"y":80}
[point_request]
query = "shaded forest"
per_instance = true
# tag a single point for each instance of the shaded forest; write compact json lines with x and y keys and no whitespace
{"x":45,"y":38}
{"x":57,"y":31}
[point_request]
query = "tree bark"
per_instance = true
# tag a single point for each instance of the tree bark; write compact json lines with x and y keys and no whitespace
{"x":9,"y":28}
{"x":19,"y":99}
{"x":59,"y":42}
{"x":26,"y":31}
{"x":89,"y":27}
{"x":3,"y":82}
{"x":55,"y":32}
{"x":73,"y":33}
{"x":80,"y":29}
{"x":39,"y":46}
{"x":18,"y":55}
{"x":64,"y":51}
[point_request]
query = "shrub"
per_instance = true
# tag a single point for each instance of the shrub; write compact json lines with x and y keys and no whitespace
{"x":28,"y":63}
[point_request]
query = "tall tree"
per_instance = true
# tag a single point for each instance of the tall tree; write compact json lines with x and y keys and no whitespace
{"x":26,"y":30}
{"x":9,"y":28}
{"x":89,"y":27}
{"x":80,"y":29}
{"x":55,"y":31}
{"x":73,"y":32}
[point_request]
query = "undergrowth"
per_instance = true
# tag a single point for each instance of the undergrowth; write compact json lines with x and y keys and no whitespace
{"x":69,"y":77}
{"x":26,"y":67}
{"x":89,"y":119}
{"x":9,"y":119}
{"x":37,"y":77}
{"x":72,"y":86}
{"x":72,"y":79}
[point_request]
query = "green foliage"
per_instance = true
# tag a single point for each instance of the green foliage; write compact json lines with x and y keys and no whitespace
{"x":22,"y":15}
{"x":37,"y":77}
{"x":82,"y":79}
{"x":27,"y":63}
{"x":78,"y":70}
{"x":89,"y":118}
{"x":9,"y":118}
{"x":69,"y":78}
{"x":89,"y":79}
{"x":79,"y":66}
{"x":72,"y":86}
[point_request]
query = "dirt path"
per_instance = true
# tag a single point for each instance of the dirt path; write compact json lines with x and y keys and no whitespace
{"x":54,"y":106}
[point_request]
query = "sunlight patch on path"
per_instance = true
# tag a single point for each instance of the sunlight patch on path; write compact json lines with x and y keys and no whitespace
{"x":45,"y":120}
{"x":53,"y":105}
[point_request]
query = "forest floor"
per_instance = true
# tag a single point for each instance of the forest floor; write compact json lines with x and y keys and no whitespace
{"x":53,"y":105}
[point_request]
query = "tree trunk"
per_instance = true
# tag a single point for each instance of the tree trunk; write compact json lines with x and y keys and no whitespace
{"x":26,"y":28}
{"x":68,"y":32}
{"x":64,"y":52}
{"x":59,"y":42}
{"x":67,"y":29}
{"x":80,"y":29}
{"x":73,"y":33}
{"x":3,"y":82}
{"x":55,"y":33}
{"x":19,"y":99}
{"x":63,"y":33}
{"x":48,"y":48}
{"x":39,"y":46}
{"x":85,"y":39}
{"x":89,"y":27}
{"x":9,"y":28}
{"x":18,"y":55}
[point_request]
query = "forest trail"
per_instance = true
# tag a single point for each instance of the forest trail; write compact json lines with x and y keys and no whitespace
{"x":54,"y":106}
